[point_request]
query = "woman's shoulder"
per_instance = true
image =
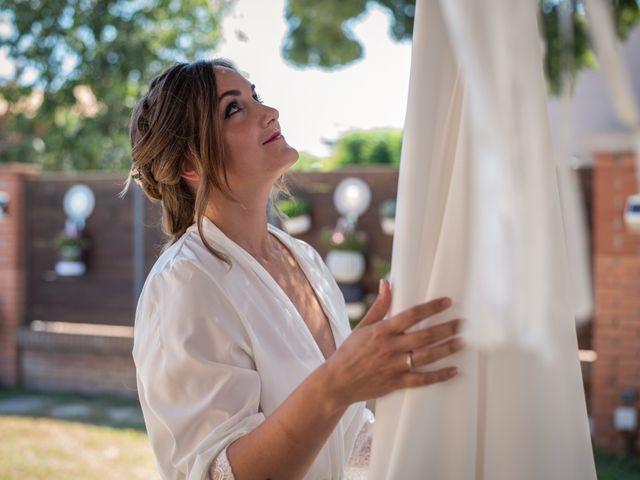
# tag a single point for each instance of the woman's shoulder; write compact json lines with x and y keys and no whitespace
{"x":181,"y":268}
{"x":189,"y":249}
{"x":183,"y":284}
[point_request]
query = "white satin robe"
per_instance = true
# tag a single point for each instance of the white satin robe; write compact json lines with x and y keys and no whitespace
{"x":217,"y":350}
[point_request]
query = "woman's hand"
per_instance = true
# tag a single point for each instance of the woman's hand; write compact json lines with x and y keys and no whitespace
{"x":372,"y":361}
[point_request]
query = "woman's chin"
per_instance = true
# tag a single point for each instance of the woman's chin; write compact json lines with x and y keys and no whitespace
{"x":293,"y":152}
{"x":291,"y":156}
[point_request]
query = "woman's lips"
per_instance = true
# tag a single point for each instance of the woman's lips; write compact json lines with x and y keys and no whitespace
{"x":274,"y":137}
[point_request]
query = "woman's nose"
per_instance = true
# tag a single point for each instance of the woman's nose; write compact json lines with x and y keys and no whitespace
{"x":271,"y":114}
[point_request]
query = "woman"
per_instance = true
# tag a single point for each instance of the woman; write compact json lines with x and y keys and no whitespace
{"x":245,"y":361}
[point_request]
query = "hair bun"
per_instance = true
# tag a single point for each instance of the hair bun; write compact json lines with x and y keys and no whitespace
{"x":145,"y":180}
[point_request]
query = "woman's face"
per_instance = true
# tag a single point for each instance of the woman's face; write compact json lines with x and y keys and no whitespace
{"x":247,"y":125}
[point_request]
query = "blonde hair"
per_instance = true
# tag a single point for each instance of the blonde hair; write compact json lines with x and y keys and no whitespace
{"x":174,"y":122}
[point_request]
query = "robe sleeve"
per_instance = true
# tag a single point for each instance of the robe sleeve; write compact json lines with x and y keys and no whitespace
{"x":197,"y":381}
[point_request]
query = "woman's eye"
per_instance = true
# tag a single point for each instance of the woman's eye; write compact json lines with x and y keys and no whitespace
{"x":258,"y":98}
{"x":230,"y":109}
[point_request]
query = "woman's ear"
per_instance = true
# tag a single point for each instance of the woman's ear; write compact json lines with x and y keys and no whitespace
{"x":188,"y":173}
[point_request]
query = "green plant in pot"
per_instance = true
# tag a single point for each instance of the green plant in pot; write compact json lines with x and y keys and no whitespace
{"x":345,"y":258}
{"x":297,"y":212}
{"x":71,"y":247}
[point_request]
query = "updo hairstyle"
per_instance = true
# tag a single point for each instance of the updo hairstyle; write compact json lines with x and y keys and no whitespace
{"x":176,"y":121}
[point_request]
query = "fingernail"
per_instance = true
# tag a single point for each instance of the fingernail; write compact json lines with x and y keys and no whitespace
{"x":458,"y":343}
{"x":380,"y":286}
{"x":452,"y":372}
{"x":445,"y":302}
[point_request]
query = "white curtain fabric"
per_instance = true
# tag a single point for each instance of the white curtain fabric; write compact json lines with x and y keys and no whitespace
{"x":478,"y":219}
{"x":572,"y":203}
{"x":576,"y":233}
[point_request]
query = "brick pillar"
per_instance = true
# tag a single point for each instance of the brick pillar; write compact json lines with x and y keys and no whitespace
{"x":616,"y":334}
{"x":12,"y":268}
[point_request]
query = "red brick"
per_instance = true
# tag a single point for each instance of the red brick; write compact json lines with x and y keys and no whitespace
{"x":616,"y":332}
{"x":12,"y":178}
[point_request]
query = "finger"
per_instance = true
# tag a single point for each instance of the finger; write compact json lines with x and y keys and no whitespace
{"x":421,"y":379}
{"x":380,"y":307}
{"x":438,"y":352}
{"x":428,"y":336}
{"x":403,"y":320}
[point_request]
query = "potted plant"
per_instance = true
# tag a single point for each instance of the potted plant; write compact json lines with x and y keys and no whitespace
{"x":387,"y":213}
{"x":297,"y":220}
{"x":71,"y":247}
{"x":345,"y":258}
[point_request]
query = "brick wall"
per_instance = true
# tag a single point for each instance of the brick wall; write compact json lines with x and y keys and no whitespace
{"x":616,"y":332}
{"x":109,"y":278}
{"x":93,"y":363}
{"x":108,"y":282}
{"x":56,"y":361}
{"x":319,"y":188}
{"x":12,"y":269}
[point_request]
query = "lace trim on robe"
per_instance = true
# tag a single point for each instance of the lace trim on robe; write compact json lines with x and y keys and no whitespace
{"x":356,"y":468}
{"x":358,"y":464}
{"x":221,"y":468}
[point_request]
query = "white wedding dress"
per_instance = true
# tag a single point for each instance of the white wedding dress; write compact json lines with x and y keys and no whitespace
{"x":478,"y":220}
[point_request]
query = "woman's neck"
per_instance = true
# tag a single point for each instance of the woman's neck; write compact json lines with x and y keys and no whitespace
{"x":246,"y":224}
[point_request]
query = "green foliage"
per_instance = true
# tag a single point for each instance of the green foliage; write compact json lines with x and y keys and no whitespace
{"x":372,"y":147}
{"x":560,"y":57}
{"x":319,"y":32}
{"x":333,"y":240}
{"x":314,"y":24}
{"x":63,"y":241}
{"x":310,"y":163}
{"x":381,"y":267}
{"x":294,"y":207}
{"x":616,"y":467}
{"x":90,"y":61}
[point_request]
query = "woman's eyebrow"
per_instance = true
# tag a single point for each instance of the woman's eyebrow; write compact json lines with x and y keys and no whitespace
{"x":235,"y":92}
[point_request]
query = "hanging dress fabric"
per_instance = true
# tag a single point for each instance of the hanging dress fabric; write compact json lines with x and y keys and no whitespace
{"x":478,"y":219}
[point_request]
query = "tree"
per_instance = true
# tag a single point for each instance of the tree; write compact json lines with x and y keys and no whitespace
{"x":370,"y":147}
{"x":80,"y":65}
{"x":319,"y":33}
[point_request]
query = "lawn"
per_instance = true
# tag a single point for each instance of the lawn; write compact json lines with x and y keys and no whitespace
{"x":106,"y":440}
{"x":614,"y":467}
{"x":53,"y":449}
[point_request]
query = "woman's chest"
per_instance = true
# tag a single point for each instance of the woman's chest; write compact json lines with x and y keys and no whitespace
{"x":296,"y":286}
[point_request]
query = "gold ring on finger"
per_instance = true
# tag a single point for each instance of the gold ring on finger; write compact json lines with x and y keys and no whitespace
{"x":410,"y":361}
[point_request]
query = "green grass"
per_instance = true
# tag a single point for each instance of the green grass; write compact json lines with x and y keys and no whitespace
{"x":52,"y":449}
{"x":616,"y":467}
{"x":37,"y":447}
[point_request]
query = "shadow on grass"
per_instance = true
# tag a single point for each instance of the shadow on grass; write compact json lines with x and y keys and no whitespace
{"x":101,"y":410}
